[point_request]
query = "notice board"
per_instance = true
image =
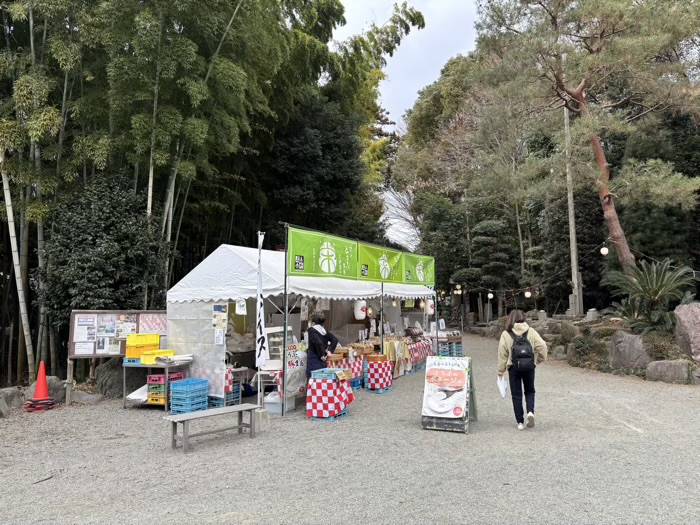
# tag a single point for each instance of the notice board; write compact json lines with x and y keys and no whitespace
{"x":102,"y":333}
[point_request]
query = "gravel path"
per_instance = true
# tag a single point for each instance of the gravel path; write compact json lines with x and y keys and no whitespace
{"x":605,"y":450}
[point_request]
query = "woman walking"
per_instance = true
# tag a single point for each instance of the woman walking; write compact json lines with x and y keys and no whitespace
{"x":520,"y":350}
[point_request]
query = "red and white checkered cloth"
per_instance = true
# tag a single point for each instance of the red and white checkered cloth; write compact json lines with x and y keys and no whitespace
{"x":380,"y":374}
{"x":327,"y":398}
{"x":355,"y":366}
{"x":420,"y":350}
{"x":228,"y":381}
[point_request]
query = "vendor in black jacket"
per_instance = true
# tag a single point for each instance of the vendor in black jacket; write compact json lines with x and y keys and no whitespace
{"x":321,"y":344}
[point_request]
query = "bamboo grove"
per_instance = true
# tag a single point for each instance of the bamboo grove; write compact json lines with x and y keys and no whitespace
{"x":136,"y":136}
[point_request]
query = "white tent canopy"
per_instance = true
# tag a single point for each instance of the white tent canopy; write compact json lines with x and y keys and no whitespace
{"x":230,"y":274}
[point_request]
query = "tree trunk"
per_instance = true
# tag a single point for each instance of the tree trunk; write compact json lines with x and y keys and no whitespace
{"x":151,"y":160}
{"x":9,"y":354}
{"x":18,"y":273}
{"x":177,"y":232}
{"x":521,"y":242}
{"x":221,"y":42}
{"x":617,"y":234}
{"x":62,"y":131}
{"x":53,"y":350}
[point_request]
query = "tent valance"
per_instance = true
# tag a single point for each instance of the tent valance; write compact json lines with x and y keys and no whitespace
{"x":230,"y":274}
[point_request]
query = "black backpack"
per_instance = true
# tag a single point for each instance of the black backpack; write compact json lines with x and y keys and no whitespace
{"x":523,"y":353}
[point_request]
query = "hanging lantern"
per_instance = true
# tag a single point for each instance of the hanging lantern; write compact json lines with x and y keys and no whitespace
{"x":528,"y":294}
{"x":393,"y":303}
{"x":604,"y":250}
{"x":360,"y":310}
{"x":490,"y":296}
{"x":369,"y":311}
{"x":430,"y":307}
{"x":422,"y":303}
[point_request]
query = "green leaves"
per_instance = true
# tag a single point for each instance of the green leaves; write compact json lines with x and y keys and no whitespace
{"x":652,"y":291}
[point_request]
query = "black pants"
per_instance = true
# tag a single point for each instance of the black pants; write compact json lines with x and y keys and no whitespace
{"x":522,"y":380}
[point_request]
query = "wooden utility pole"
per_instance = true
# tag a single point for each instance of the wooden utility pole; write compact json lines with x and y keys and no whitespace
{"x":576,"y":305}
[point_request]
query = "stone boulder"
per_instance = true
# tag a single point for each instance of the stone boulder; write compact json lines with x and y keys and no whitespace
{"x":13,"y":396}
{"x":85,"y":398}
{"x":560,"y":353}
{"x":56,"y":389}
{"x":627,"y":351}
{"x":553,"y":327}
{"x":569,"y":332}
{"x":108,"y":378}
{"x":553,"y":339}
{"x":688,"y":329}
{"x":695,"y":377}
{"x":4,"y":409}
{"x":677,"y":371}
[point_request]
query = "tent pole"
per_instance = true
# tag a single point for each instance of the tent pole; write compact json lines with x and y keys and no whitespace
{"x":437,"y":326}
{"x":286,"y":321}
{"x":381,"y":317}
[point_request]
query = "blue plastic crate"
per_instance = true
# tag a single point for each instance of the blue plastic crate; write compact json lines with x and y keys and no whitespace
{"x":174,"y":409}
{"x":189,"y":385}
{"x":356,"y":383}
{"x":344,"y":413}
{"x":325,"y":373}
{"x":132,"y":361}
{"x":187,"y":396}
{"x":189,"y":404}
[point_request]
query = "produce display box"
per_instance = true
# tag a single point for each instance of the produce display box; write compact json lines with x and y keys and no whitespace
{"x":156,"y":389}
{"x":159,"y":379}
{"x":156,"y":399}
{"x":136,"y":344}
{"x":189,"y":385}
{"x":149,"y":357}
{"x":325,"y":373}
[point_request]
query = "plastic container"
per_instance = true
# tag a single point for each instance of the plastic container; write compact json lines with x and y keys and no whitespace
{"x":155,"y":399}
{"x":149,"y":357}
{"x":142,"y":339}
{"x":189,"y":385}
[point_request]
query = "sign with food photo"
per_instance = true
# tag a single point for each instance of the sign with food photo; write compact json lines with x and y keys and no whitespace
{"x":446,"y":387}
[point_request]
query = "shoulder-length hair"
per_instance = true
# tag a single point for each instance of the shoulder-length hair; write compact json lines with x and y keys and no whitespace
{"x":516,"y":316}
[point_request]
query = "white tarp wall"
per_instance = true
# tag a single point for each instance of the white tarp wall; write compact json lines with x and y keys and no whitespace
{"x":190,"y":331}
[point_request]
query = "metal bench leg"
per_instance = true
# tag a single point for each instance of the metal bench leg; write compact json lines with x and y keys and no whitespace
{"x":240,"y":422}
{"x":252,"y":423}
{"x":185,"y":435}
{"x":173,"y":433}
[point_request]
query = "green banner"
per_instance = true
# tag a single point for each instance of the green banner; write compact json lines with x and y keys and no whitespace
{"x":378,"y":264}
{"x":315,"y":254}
{"x":418,"y":269}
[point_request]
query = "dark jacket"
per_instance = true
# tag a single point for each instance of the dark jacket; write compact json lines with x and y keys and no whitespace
{"x":318,"y":345}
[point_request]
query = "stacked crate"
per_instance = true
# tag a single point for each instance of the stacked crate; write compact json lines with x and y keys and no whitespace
{"x":452,"y":349}
{"x":156,"y":387}
{"x":137,"y":344}
{"x":189,"y":395}
{"x":232,"y":398}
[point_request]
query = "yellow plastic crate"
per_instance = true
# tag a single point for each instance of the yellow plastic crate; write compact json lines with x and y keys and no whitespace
{"x":149,"y":358}
{"x":156,"y":399}
{"x":143,"y":340}
{"x":136,"y":351}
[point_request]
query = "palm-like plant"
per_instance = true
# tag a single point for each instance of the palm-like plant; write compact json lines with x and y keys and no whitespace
{"x":652,"y":291}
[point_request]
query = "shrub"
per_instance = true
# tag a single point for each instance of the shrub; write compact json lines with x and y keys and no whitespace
{"x":661,"y":347}
{"x":590,"y":352}
{"x":653,"y":291}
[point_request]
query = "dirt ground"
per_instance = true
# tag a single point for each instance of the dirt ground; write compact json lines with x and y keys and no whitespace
{"x":605,"y":449}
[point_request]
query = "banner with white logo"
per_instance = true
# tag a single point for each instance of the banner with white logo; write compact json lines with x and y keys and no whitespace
{"x":262,"y":349}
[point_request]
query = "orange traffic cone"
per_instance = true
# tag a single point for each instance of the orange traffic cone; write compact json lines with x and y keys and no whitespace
{"x":41,"y":400}
{"x":42,"y":387}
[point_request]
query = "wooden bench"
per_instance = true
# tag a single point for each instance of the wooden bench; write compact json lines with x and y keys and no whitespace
{"x":201,"y":414}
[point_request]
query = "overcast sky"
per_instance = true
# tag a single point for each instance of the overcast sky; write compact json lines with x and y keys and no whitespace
{"x":449,"y":30}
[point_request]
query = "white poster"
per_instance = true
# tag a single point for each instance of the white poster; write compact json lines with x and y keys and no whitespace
{"x":305,"y":309}
{"x":219,"y":317}
{"x":296,"y":368}
{"x":241,"y":307}
{"x":126,"y":324}
{"x":262,"y":349}
{"x":84,"y":329}
{"x":102,"y":345}
{"x":446,"y":387}
{"x":433,"y":327}
{"x":219,"y":336}
{"x":84,"y":348}
{"x":442,"y":324}
{"x":107,"y":325}
{"x":115,"y":347}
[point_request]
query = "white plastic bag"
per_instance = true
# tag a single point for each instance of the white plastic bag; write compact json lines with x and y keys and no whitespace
{"x":502,"y":385}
